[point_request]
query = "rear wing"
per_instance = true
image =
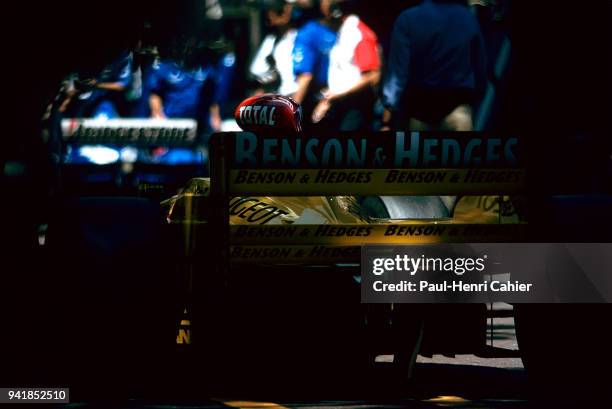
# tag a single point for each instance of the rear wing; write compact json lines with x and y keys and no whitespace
{"x":379,"y":163}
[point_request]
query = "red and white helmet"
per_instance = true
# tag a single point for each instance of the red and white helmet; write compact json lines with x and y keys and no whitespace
{"x":270,"y":114}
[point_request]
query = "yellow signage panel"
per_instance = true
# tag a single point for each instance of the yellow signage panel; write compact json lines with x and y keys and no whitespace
{"x":375,"y":181}
{"x":361,"y":234}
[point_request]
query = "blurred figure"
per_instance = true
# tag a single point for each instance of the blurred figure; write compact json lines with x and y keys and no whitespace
{"x":213,"y":10}
{"x":437,"y":68}
{"x":212,"y":28}
{"x":145,"y":59}
{"x":223,"y":60}
{"x":103,"y":95}
{"x":304,"y":11}
{"x":272,"y":67}
{"x":183,"y":86}
{"x":337,"y":63}
{"x":313,"y":45}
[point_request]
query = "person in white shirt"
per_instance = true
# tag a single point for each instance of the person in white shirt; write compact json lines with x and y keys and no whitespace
{"x":272,"y":67}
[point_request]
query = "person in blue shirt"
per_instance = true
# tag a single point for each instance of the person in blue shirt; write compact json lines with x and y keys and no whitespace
{"x":337,"y":63}
{"x":436,"y":68}
{"x":145,"y":59}
{"x":224,"y":66}
{"x":102,"y":96}
{"x":176,"y":91}
{"x":185,"y":86}
{"x":137,"y":94}
{"x":146,"y":78}
{"x":189,"y":85}
{"x":311,"y":52}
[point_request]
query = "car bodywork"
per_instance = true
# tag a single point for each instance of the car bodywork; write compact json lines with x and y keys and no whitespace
{"x":292,"y":238}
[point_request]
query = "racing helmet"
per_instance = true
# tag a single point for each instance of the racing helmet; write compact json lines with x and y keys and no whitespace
{"x":269,"y":114}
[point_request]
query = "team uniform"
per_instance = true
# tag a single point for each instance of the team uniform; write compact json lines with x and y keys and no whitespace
{"x":138,"y":93}
{"x":337,"y":60}
{"x":102,"y":104}
{"x":355,"y":52}
{"x":225,"y":70}
{"x":185,"y":93}
{"x":313,"y":45}
{"x":190,"y":94}
{"x":105,"y":104}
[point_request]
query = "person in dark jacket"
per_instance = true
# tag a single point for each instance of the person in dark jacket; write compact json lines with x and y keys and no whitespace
{"x":436,"y":68}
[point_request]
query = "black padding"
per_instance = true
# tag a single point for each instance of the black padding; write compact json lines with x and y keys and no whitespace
{"x":573,"y":218}
{"x":109,"y":286}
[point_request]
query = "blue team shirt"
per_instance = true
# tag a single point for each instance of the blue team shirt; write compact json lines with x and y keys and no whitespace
{"x":224,"y":74}
{"x":119,"y":71}
{"x":313,"y":44}
{"x":101,"y":102}
{"x":183,"y":91}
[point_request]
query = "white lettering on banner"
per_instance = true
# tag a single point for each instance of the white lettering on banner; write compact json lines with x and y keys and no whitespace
{"x":257,"y":115}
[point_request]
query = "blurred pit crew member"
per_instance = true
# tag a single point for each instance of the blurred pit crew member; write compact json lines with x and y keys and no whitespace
{"x":436,"y":69}
{"x":272,"y":67}
{"x":223,"y":59}
{"x":145,"y":59}
{"x":337,"y":63}
{"x":102,"y":96}
{"x":183,"y":85}
{"x":304,"y":11}
{"x":220,"y":54}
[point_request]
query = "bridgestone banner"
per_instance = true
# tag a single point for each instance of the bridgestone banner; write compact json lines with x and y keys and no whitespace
{"x":130,"y":131}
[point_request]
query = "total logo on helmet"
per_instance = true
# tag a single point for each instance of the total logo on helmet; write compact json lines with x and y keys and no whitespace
{"x":269,"y":113}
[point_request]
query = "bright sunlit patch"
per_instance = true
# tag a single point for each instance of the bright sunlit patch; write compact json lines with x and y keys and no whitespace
{"x":129,"y":154}
{"x":250,"y":405}
{"x":447,"y":400}
{"x":98,"y":154}
{"x":383,"y":358}
{"x":230,"y":125}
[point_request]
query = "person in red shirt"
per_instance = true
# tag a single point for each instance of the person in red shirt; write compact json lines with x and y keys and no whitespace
{"x":347,"y":102}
